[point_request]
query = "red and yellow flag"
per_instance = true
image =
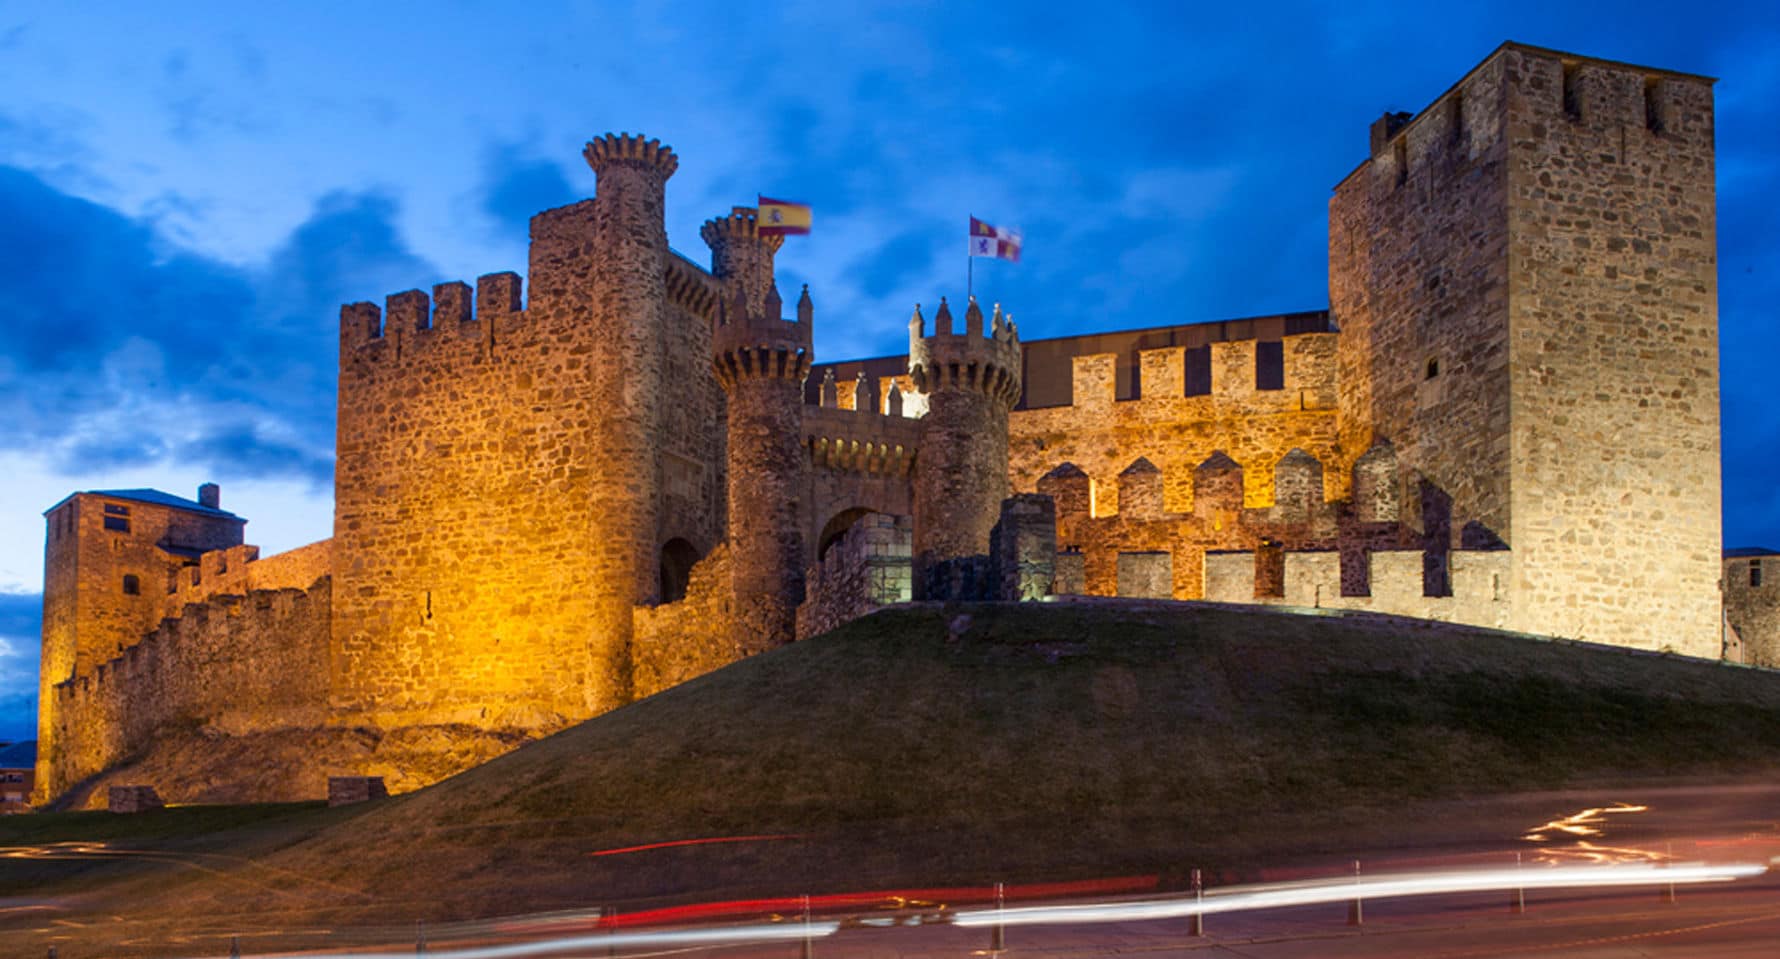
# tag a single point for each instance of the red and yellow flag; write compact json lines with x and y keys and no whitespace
{"x":783,"y":218}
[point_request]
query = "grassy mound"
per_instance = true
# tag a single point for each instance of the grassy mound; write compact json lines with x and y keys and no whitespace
{"x":977,"y":743}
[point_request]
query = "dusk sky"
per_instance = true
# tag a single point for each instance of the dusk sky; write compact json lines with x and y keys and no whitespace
{"x":189,"y":191}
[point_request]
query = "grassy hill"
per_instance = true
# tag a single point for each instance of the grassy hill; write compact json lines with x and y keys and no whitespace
{"x":935,"y":744}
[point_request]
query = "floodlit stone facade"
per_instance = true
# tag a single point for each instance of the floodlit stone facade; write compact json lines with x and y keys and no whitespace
{"x":557,"y":494}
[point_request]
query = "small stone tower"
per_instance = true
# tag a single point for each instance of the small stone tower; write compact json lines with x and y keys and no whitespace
{"x":628,"y":314}
{"x":970,"y":382}
{"x":761,"y":360}
{"x":740,"y":256}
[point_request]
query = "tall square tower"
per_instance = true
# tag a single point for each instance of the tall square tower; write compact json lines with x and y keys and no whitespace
{"x":1525,"y":278}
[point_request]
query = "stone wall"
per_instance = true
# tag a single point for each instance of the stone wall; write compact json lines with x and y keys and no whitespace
{"x":239,"y":570}
{"x":869,"y":566}
{"x":234,"y":665}
{"x":1614,"y":358}
{"x":1752,"y":606}
{"x":1103,"y":435}
{"x":1478,"y":579}
{"x":675,"y":642}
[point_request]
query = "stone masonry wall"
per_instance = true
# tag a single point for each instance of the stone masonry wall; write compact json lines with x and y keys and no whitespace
{"x":239,"y":570}
{"x":1479,"y":594}
{"x":871,"y":565}
{"x":1418,"y":284}
{"x":675,"y":642}
{"x":1612,"y":268}
{"x":1752,"y":606}
{"x":1176,"y":432}
{"x":234,"y":665}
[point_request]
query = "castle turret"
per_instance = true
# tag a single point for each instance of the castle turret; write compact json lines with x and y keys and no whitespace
{"x":761,"y":360}
{"x":740,"y":256}
{"x":971,"y":382}
{"x":628,"y":317}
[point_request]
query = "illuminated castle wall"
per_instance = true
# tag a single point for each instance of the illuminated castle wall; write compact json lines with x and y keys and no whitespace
{"x":558,"y":494}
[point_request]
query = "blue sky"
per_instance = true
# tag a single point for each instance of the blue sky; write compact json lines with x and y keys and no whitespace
{"x":188,"y":191}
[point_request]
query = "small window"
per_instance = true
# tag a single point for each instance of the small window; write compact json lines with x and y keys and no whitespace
{"x":113,"y":509}
{"x":132,"y":585}
{"x":1653,"y":110}
{"x":1198,"y":372}
{"x":1433,"y":368}
{"x":1754,"y":573}
{"x":1572,"y":97}
{"x":1270,"y":365}
{"x":117,"y":524}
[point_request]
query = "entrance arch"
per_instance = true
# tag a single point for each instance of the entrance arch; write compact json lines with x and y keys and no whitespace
{"x":677,"y":559}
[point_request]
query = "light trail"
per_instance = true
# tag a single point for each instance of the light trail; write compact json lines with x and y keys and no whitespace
{"x":673,"y":843}
{"x":720,"y":935}
{"x":1322,"y":891}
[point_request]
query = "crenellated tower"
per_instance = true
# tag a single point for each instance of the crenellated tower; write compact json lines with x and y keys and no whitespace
{"x":761,"y":361}
{"x":971,"y":383}
{"x":629,"y":317}
{"x":740,"y":256}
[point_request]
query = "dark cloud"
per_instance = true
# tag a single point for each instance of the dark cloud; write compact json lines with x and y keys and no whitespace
{"x":517,"y":185}
{"x":21,"y":619}
{"x":108,"y":322}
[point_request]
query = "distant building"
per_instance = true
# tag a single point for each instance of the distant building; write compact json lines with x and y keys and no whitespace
{"x":1752,"y":605}
{"x":18,"y":764}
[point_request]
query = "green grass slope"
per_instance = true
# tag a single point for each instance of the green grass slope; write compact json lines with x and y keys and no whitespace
{"x":937,"y":744}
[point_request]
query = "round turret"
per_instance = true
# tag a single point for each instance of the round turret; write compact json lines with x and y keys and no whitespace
{"x":740,"y":255}
{"x":762,"y":360}
{"x":971,"y":383}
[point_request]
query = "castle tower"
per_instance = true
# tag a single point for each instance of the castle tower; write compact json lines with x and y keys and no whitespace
{"x":740,"y":256}
{"x":109,"y":561}
{"x":761,"y":360}
{"x":628,"y":319}
{"x":971,"y":382}
{"x":1524,"y":276}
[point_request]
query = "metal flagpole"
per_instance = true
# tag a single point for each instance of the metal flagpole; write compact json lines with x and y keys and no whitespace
{"x":970,"y":266}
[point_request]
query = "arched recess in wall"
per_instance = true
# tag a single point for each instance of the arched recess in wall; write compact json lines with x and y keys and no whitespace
{"x":677,"y":559}
{"x":837,"y":527}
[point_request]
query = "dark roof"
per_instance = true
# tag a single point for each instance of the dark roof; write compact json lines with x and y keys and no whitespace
{"x":19,"y":755}
{"x":154,"y":496}
{"x":1738,"y":552}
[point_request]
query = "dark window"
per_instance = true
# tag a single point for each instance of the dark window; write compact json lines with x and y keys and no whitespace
{"x":1198,"y":373}
{"x":1572,"y":99}
{"x":1433,"y":368}
{"x":1270,"y":365}
{"x":132,"y":585}
{"x":1653,"y":113}
{"x":1754,"y":573}
{"x":117,"y":524}
{"x":1400,"y":150}
{"x":113,"y":509}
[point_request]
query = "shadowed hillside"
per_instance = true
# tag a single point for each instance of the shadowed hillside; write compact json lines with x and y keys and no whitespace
{"x":963,"y":744}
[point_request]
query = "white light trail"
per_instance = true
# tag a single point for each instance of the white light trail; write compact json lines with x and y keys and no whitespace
{"x":1318,"y":891}
{"x":716,"y":935}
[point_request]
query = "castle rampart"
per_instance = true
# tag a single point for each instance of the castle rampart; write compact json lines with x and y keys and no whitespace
{"x":1313,"y":579}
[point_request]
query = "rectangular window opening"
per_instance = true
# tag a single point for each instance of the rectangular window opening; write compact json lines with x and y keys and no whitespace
{"x":1270,"y":365}
{"x":113,"y":509}
{"x":117,"y":524}
{"x":1754,"y":573}
{"x":1572,"y":96}
{"x":1653,"y":112}
{"x":1400,"y":155}
{"x":1198,"y":371}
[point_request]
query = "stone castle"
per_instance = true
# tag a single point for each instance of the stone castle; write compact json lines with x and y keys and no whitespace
{"x":557,"y":495}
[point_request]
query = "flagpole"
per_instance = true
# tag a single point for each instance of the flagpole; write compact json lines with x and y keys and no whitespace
{"x":970,"y":266}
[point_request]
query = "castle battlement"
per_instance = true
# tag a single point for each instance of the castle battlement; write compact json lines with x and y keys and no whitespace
{"x":411,"y":321}
{"x":741,"y":225}
{"x":1479,"y":583}
{"x":853,"y":440}
{"x":624,"y":149}
{"x":966,"y":361}
{"x":749,"y":344}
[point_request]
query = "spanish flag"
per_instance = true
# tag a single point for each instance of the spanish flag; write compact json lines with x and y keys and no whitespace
{"x":995,"y":241}
{"x":783,"y":218}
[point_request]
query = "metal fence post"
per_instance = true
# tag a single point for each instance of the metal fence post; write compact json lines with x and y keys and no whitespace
{"x":1356,"y":910}
{"x":997,"y":934}
{"x":1196,"y":923}
{"x":1518,"y":904}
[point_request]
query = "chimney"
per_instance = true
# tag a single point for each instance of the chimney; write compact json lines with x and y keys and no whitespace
{"x":210,"y":495}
